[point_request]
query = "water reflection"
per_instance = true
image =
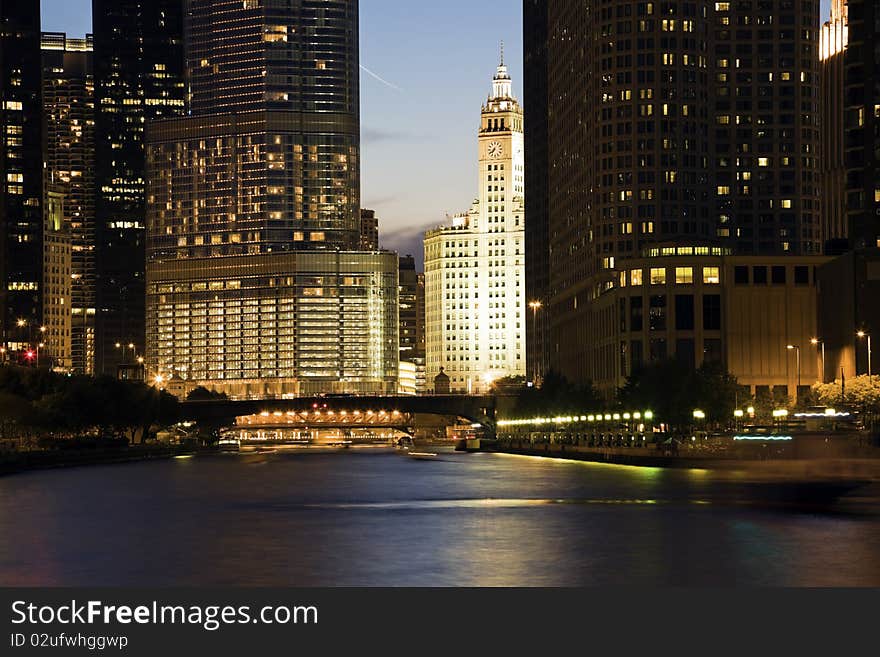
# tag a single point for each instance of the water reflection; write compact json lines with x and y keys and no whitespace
{"x":359,"y":519}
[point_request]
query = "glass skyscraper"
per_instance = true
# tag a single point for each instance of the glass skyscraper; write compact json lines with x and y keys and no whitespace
{"x":254,"y":284}
{"x":21,"y":175}
{"x":139,"y":77}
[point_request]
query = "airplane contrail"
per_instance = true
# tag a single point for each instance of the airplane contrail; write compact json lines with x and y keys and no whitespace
{"x":379,"y":78}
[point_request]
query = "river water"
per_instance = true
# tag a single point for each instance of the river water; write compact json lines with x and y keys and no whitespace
{"x":360,"y":518}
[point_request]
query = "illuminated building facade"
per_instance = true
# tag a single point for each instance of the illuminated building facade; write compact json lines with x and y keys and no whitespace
{"x":411,"y":304}
{"x":673,"y":122}
{"x":21,"y":175}
{"x":369,"y":231}
{"x":69,"y":115}
{"x":53,"y":336}
{"x":275,"y":324}
{"x":300,"y":60}
{"x":475,"y":297}
{"x":862,"y":124}
{"x":832,"y":50}
{"x":702,"y":304}
{"x":254,"y":286}
{"x":766,"y":123}
{"x":139,"y":77}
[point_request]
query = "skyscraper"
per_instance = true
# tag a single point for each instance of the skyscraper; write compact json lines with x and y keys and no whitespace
{"x":536,"y":117}
{"x":21,"y":176}
{"x":832,"y":51}
{"x":630,"y":147}
{"x":69,"y":115}
{"x":475,"y":267}
{"x":254,"y":287}
{"x":139,"y":77}
{"x":678,"y":123}
{"x":369,"y":231}
{"x":766,"y":120}
{"x":862,"y":124}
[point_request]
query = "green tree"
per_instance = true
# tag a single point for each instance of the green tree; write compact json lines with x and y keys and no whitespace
{"x":861,"y":393}
{"x":673,"y":391}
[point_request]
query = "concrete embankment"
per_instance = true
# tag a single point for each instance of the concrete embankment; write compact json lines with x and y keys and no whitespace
{"x":645,"y":457}
{"x":862,"y":463}
{"x":15,"y":462}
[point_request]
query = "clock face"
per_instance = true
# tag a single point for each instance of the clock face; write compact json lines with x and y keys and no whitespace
{"x":495,"y":150}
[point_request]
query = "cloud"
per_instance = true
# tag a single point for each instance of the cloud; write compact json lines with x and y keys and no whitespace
{"x":373,"y":136}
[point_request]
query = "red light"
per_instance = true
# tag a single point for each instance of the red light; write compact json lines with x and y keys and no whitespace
{"x":30,"y":355}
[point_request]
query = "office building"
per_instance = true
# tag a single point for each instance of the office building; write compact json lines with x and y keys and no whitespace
{"x":766,"y":123}
{"x":139,"y":77}
{"x":369,"y":240}
{"x":685,"y":123}
{"x":21,"y":177}
{"x":254,"y":286}
{"x":69,"y":116}
{"x":832,"y":50}
{"x":475,"y":266}
{"x":536,"y":117}
{"x":849,"y":315}
{"x":697,"y":304}
{"x":862,"y":124}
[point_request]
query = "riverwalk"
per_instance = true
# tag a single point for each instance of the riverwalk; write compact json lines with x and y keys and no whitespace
{"x":23,"y":461}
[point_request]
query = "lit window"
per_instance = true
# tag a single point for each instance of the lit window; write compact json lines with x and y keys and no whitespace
{"x":635,"y":277}
{"x":684,"y":275}
{"x":658,"y":276}
{"x":711,"y":276}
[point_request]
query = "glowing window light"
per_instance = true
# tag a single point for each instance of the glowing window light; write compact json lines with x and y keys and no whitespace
{"x":770,"y":438}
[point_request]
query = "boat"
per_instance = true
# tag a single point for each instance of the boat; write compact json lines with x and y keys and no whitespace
{"x":423,"y":456}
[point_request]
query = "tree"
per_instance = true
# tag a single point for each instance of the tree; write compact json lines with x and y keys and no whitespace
{"x":861,"y":393}
{"x":556,"y":396}
{"x":203,"y":394}
{"x":673,"y":391}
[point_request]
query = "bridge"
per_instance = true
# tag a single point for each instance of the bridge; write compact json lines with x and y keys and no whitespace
{"x":354,"y":411}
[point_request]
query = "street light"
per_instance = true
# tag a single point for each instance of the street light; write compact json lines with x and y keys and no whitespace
{"x":794,"y":347}
{"x":817,"y":342}
{"x":862,"y":334}
{"x":535,"y":306}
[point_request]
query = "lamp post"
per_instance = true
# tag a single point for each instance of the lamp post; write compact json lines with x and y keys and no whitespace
{"x":535,"y":306}
{"x":862,"y":334}
{"x":816,"y":342}
{"x":797,"y":392}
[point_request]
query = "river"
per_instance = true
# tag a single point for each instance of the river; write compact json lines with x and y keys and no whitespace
{"x":365,"y":518}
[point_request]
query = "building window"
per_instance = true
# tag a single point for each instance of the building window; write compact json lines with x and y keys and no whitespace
{"x":658,"y":276}
{"x":658,"y":349}
{"x":741,"y":275}
{"x":759,"y":275}
{"x":711,"y":276}
{"x":684,"y":312}
{"x":712,"y":312}
{"x":637,"y":356}
{"x":636,"y":306}
{"x":635,"y":277}
{"x":801,"y":275}
{"x":778,"y":275}
{"x":657,"y":313}
{"x":712,"y":350}
{"x":684,"y":275}
{"x":685,"y":352}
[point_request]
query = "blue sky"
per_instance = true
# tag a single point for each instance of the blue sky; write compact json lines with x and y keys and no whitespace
{"x":419,"y":134}
{"x":419,"y":139}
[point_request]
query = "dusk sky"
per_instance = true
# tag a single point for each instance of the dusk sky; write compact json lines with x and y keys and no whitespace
{"x":419,"y":129}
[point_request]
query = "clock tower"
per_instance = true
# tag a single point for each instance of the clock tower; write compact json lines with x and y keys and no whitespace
{"x":475,"y":267}
{"x":502,"y":161}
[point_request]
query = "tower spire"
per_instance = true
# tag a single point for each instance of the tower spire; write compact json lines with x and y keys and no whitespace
{"x":502,"y":52}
